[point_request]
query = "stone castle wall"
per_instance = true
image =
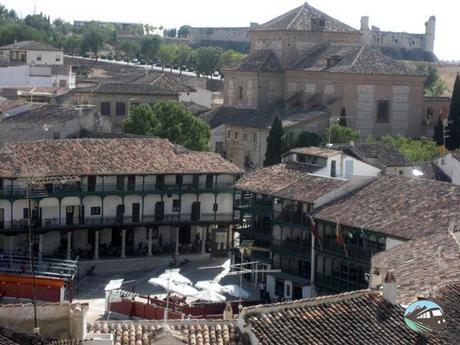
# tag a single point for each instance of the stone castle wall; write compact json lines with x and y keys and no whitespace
{"x":196,"y":35}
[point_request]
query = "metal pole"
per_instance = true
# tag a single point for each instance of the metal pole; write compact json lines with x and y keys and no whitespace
{"x":167,"y":301}
{"x":36,"y":330}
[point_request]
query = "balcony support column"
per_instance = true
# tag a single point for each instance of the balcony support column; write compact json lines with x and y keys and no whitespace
{"x":176,"y":249}
{"x":96,"y":245}
{"x":149,"y":252}
{"x":69,"y":246}
{"x":11,"y":249}
{"x":203,"y":239}
{"x":40,"y":247}
{"x":123,"y":243}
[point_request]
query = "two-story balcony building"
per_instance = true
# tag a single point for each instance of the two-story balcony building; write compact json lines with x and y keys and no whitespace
{"x":276,"y":206}
{"x":114,"y":198}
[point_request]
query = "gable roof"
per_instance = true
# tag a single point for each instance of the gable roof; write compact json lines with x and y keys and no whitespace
{"x":359,"y":317}
{"x":438,"y":254}
{"x":314,"y":151}
{"x":40,"y":114}
{"x":398,"y":206}
{"x":288,"y":181}
{"x":30,"y":45}
{"x":260,"y":118}
{"x":80,"y":157}
{"x":305,"y":18}
{"x":380,"y":155}
{"x":127,"y":89}
{"x":356,"y":59}
{"x":260,"y":61}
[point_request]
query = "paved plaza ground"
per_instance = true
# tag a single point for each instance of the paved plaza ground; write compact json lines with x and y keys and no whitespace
{"x":91,"y":289}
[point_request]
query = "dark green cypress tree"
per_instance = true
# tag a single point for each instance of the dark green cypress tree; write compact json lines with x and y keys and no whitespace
{"x":453,"y":141}
{"x":274,"y":140}
{"x":438,"y":136}
{"x":343,"y":118}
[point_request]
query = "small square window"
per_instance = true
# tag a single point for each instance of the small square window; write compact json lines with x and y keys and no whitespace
{"x":176,"y":205}
{"x":58,"y":59}
{"x":236,"y":135}
{"x":229,"y":134}
{"x":95,"y":211}
{"x":39,"y":58}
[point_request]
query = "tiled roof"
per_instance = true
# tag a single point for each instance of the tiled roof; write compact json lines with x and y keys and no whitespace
{"x":128,"y":89}
{"x":165,"y":81}
{"x":403,"y":207}
{"x":380,"y":155}
{"x":8,"y":337}
{"x":31,"y":45}
{"x":288,"y":181}
{"x":197,"y":332}
{"x":314,"y":151}
{"x":260,"y":61}
{"x":448,"y":298}
{"x":8,"y":104}
{"x":305,"y":18}
{"x":431,"y":171}
{"x":420,"y":266}
{"x":80,"y":157}
{"x":357,"y":59}
{"x":359,"y":317}
{"x":260,"y":118}
{"x":47,"y":114}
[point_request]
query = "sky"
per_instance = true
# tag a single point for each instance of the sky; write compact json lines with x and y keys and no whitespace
{"x":388,"y":15}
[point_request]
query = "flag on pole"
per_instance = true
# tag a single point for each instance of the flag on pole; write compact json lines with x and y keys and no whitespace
{"x":314,"y":231}
{"x":339,"y":237}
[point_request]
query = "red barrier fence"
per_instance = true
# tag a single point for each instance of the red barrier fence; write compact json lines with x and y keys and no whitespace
{"x":16,"y":286}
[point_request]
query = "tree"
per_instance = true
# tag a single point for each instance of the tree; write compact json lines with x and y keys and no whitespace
{"x":437,"y":89}
{"x":72,"y":44}
{"x":439,"y":132}
{"x":453,"y":141}
{"x":343,"y":118}
{"x":341,"y":135}
{"x":183,"y":31}
{"x":92,"y":39}
{"x":416,"y":150}
{"x":150,"y":47}
{"x":183,"y":56}
{"x":170,"y":32}
{"x":39,"y":22}
{"x":304,"y":139}
{"x":229,"y":58}
{"x":129,"y":48}
{"x":167,"y":55}
{"x":142,"y":120}
{"x":207,"y":60}
{"x":274,"y":141}
{"x":169,"y":120}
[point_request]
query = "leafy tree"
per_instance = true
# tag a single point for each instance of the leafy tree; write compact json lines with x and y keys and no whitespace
{"x":439,"y":132}
{"x":39,"y":22}
{"x":274,"y":142}
{"x":304,"y":139}
{"x":183,"y":31}
{"x":340,"y":134}
{"x":229,"y":58}
{"x":453,"y":141}
{"x":183,"y":56}
{"x":415,"y":149}
{"x":167,"y":55}
{"x":169,"y":120}
{"x":20,"y":32}
{"x":62,"y":27}
{"x":207,"y":60}
{"x":150,"y":47}
{"x":129,"y":48}
{"x":72,"y":44}
{"x":92,"y":39}
{"x":170,"y":32}
{"x":142,"y":120}
{"x":343,"y":118}
{"x":437,"y":89}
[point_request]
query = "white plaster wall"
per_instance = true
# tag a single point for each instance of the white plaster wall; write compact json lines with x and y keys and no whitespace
{"x":92,"y":201}
{"x":360,"y":168}
{"x":129,"y":200}
{"x":217,"y":135}
{"x":207,"y":202}
{"x":149,"y":204}
{"x":225,"y":201}
{"x":450,"y":166}
{"x":47,"y":57}
{"x":392,"y":242}
{"x":110,"y":205}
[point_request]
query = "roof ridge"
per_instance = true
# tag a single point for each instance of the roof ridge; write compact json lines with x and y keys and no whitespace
{"x":296,"y":16}
{"x":357,"y":56}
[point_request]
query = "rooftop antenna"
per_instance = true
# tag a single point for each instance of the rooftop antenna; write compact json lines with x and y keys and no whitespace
{"x":35,"y":9}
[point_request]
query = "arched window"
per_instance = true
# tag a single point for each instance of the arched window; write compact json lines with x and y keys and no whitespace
{"x":240,"y":93}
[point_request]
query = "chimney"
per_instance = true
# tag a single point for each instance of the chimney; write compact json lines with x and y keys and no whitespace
{"x":228,"y":312}
{"x":352,"y":143}
{"x":390,"y":289}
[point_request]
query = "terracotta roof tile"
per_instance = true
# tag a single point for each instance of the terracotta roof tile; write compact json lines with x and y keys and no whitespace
{"x":359,"y":317}
{"x":288,"y":181}
{"x":403,"y":207}
{"x":31,"y":45}
{"x":315,"y":151}
{"x":79,"y":157}
{"x":438,"y":254}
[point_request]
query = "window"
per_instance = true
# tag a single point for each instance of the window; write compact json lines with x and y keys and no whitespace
{"x":131,"y":182}
{"x":120,"y":183}
{"x":105,"y":108}
{"x":240,"y":93}
{"x":236,"y":135}
{"x":120,"y":109}
{"x":245,"y":136}
{"x":383,"y":111}
{"x":62,"y":83}
{"x":229,"y":134}
{"x":58,"y":59}
{"x":25,"y":213}
{"x":176,"y":205}
{"x":39,"y":57}
{"x":254,"y":137}
{"x":95,"y":211}
{"x":160,"y":182}
{"x":209,"y":181}
{"x":215,"y":207}
{"x":179,"y":180}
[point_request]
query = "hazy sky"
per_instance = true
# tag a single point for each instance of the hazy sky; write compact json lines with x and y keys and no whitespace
{"x":394,"y":15}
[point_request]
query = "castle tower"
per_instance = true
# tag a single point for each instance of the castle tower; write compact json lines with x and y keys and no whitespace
{"x":430,"y":29}
{"x":366,"y":35}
